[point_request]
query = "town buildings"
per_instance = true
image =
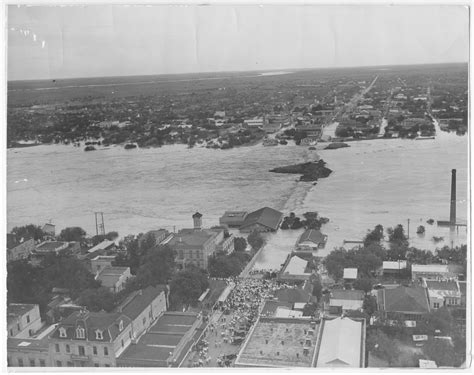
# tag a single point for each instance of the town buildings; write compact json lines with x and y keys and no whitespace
{"x":347,"y":299}
{"x":263,"y":220}
{"x":195,"y":246}
{"x":143,"y":307}
{"x":443,"y":293}
{"x":301,"y":342}
{"x":430,"y":271}
{"x":90,"y":339}
{"x":295,"y":269}
{"x":341,"y":343}
{"x":49,"y":247}
{"x":311,"y":240}
{"x":233,"y":219}
{"x":114,"y":278}
{"x":164,"y":343}
{"x":23,"y":320}
{"x":19,"y":250}
{"x":403,"y":303}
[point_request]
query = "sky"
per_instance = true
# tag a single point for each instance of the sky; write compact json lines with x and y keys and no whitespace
{"x":48,"y":42}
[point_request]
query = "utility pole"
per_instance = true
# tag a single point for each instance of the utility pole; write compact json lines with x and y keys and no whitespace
{"x":408,"y":235}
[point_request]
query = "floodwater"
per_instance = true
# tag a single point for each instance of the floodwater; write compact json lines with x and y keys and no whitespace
{"x":373,"y":182}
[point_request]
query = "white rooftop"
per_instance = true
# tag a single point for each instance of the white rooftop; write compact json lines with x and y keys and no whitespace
{"x":341,"y":343}
{"x":432,"y":268}
{"x":101,"y":246}
{"x":296,"y":266}
{"x":350,"y":273}
{"x":400,"y":265}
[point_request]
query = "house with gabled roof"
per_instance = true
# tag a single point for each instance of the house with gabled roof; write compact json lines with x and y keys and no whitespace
{"x":347,"y":299}
{"x":311,"y":240}
{"x":408,"y":303}
{"x":90,"y":339}
{"x":265,"y":219}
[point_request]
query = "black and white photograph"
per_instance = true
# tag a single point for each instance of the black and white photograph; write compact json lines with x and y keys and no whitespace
{"x":223,"y":186}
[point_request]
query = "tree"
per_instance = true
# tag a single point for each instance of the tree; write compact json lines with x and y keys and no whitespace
{"x":309,"y":309}
{"x":317,"y":288}
{"x":97,"y":299}
{"x":369,"y":305}
{"x":441,"y":351}
{"x":374,"y":236}
{"x":69,"y":273}
{"x":255,"y":240}
{"x":27,"y":232}
{"x":364,"y":284}
{"x":72,"y":234}
{"x":157,"y":267}
{"x":240,"y":244}
{"x":383,"y":347}
{"x":187,"y":286}
{"x":335,"y":262}
{"x":396,"y":236}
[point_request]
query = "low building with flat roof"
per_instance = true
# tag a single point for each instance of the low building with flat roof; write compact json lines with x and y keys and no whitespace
{"x":164,"y":342}
{"x":347,"y":299}
{"x":279,"y":342}
{"x":341,"y":343}
{"x":350,"y":274}
{"x":114,"y":278}
{"x":430,"y":271}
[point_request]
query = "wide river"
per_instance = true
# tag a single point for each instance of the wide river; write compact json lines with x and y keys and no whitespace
{"x":373,"y":182}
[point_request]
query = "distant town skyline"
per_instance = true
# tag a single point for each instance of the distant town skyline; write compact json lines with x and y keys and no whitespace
{"x":55,"y":42}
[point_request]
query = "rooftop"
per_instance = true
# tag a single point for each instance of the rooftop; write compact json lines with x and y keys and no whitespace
{"x":292,"y":294}
{"x":400,"y":265}
{"x":191,"y":238}
{"x":159,"y":343}
{"x":403,"y":299}
{"x":266,"y":216}
{"x":107,"y":322}
{"x":354,"y":295}
{"x":312,"y":235}
{"x":296,"y":266}
{"x":31,"y":344}
{"x":432,"y":268}
{"x":105,"y":244}
{"x":279,"y":342}
{"x":15,"y":310}
{"x":341,"y":343}
{"x":51,"y":246}
{"x":139,"y":301}
{"x":350,"y":273}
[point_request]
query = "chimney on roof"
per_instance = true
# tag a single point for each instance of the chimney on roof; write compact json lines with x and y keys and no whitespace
{"x":197,"y":219}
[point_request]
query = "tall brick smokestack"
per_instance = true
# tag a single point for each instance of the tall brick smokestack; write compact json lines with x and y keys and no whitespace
{"x":452,"y":211}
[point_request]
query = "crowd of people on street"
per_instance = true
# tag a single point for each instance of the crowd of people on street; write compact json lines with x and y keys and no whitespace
{"x":230,"y":322}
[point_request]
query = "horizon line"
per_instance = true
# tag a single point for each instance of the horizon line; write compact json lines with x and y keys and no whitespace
{"x":235,"y":71}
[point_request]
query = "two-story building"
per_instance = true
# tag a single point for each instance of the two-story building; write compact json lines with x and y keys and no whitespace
{"x":195,"y":246}
{"x":143,"y":307}
{"x":23,"y":320}
{"x":443,"y":293}
{"x":90,"y":339}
